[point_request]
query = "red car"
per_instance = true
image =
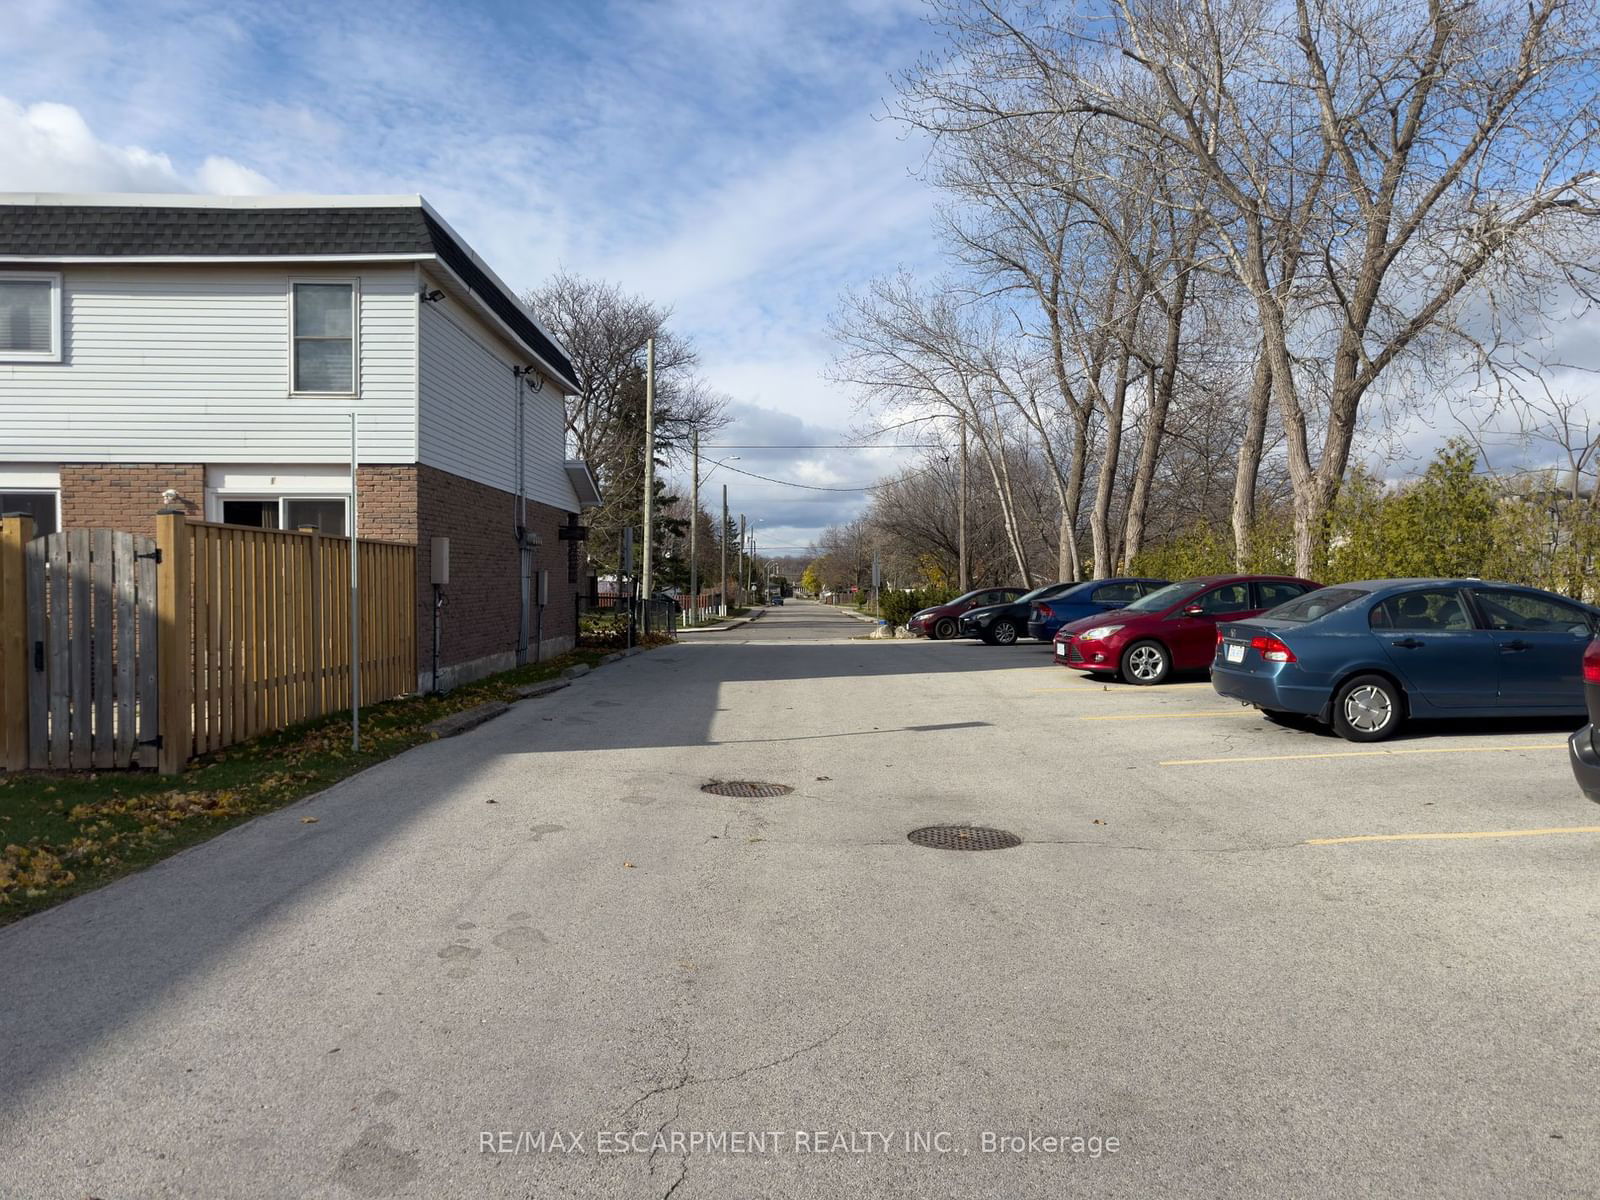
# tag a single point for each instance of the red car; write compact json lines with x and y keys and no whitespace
{"x":1174,"y":629}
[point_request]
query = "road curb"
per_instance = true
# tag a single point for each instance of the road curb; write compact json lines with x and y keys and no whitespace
{"x":733,"y":624}
{"x":458,"y":723}
{"x":577,"y":672}
{"x":529,"y":691}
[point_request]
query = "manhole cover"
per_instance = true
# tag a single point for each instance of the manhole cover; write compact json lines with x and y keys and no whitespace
{"x":963,"y":837}
{"x":746,"y":789}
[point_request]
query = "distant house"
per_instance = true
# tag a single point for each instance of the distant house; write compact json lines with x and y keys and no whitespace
{"x":212,"y":349}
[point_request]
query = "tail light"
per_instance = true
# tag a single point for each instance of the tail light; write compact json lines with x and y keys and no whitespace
{"x":1591,"y":662}
{"x":1219,"y":635}
{"x":1272,"y":649}
{"x":1043,"y":612}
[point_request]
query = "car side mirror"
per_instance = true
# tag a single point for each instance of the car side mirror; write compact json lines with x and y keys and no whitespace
{"x":1193,"y":610}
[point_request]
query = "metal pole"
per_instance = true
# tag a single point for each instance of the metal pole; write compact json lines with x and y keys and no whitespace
{"x":722,"y":538}
{"x":355,"y":603}
{"x":694,"y":530}
{"x":647,"y":569}
{"x":743,"y":538}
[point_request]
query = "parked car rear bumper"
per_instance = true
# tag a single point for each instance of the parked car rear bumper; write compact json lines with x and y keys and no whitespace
{"x":1585,"y":755}
{"x":1267,"y":691}
{"x":1043,"y":631}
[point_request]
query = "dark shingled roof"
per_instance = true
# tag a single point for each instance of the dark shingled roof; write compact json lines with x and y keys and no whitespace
{"x":106,"y":230}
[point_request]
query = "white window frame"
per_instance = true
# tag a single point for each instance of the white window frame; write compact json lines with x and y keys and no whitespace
{"x":53,"y":278}
{"x":281,"y":498}
{"x":53,"y":493}
{"x":354,"y":284}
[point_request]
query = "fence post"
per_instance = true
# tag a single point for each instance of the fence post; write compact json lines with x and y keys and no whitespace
{"x":174,"y":637}
{"x":316,"y":666}
{"x":16,"y":531}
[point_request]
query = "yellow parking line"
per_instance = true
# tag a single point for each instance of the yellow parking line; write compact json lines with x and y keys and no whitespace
{"x":1196,"y":762}
{"x":1431,"y":837}
{"x":1176,"y":716}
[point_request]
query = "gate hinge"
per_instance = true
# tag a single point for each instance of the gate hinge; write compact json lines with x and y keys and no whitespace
{"x":155,"y":741}
{"x":154,"y":554}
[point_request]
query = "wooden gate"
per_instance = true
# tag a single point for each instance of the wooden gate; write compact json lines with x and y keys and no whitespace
{"x":91,"y":638}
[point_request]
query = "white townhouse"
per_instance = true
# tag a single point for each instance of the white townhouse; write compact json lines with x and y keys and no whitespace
{"x":210,"y":351}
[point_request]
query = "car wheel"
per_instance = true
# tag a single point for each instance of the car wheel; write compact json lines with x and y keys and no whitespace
{"x":1004,"y":633}
{"x":1146,"y":663}
{"x":943,"y":628}
{"x":1368,"y":708}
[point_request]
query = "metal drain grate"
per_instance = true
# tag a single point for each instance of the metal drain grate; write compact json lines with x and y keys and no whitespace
{"x":745,"y":789}
{"x":963,"y":837}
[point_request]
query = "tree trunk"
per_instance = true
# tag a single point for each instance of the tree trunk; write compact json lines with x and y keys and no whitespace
{"x":1100,"y":519}
{"x":1248,"y":471}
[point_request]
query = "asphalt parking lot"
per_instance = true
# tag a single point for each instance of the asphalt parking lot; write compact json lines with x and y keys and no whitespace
{"x":1198,"y":949}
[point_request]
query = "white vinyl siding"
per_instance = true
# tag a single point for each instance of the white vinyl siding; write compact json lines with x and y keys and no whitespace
{"x":468,"y":411}
{"x":192,"y":364}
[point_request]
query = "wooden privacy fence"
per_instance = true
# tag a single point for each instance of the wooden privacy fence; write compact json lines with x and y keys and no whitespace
{"x":208,"y":636}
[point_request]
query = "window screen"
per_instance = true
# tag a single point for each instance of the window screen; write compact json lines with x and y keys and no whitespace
{"x":26,"y":316}
{"x":324,"y":337}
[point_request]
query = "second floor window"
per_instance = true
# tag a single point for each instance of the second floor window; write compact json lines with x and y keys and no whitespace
{"x":30,"y":317}
{"x":324,"y":337}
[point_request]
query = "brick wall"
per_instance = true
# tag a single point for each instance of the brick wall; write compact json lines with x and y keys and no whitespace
{"x":127,"y":495}
{"x":398,"y":503}
{"x":479,"y":625}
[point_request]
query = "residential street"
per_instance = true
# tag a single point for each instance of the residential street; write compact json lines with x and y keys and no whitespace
{"x":545,"y":925}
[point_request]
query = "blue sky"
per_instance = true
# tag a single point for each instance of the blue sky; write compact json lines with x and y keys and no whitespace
{"x":725,"y":158}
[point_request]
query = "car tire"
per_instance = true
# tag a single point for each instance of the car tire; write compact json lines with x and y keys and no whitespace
{"x":986,"y":636}
{"x":942,"y":629}
{"x":1367,"y":708}
{"x":1003,"y":633}
{"x":1146,"y":663}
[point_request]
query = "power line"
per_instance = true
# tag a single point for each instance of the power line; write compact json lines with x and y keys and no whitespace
{"x":808,"y":486}
{"x":819,"y":446}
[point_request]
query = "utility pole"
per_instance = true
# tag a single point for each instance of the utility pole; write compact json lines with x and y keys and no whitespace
{"x":649,"y":472}
{"x":963,"y":569}
{"x":722,"y":539}
{"x":694,"y":530}
{"x":743,"y":538}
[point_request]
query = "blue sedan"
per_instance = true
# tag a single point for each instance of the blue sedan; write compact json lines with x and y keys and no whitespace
{"x":1085,"y":600}
{"x":1365,"y":656}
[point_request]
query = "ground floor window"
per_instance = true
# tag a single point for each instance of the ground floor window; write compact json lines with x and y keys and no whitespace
{"x":324,"y":514}
{"x":42,"y":506}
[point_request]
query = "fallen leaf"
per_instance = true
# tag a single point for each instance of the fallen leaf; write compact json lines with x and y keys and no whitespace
{"x":824,"y":778}
{"x":1098,"y":821}
{"x":629,"y":865}
{"x":491,"y":802}
{"x":308,"y":820}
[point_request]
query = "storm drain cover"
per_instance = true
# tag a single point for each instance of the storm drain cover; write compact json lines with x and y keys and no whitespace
{"x":745,"y":789}
{"x":963,"y":837}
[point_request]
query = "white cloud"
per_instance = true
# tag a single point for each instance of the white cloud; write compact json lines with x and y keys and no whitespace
{"x":51,"y":148}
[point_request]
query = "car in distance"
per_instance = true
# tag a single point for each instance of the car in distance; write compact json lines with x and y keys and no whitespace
{"x":940,"y":620}
{"x":1079,"y":600}
{"x":1585,"y":744}
{"x":1365,"y":656}
{"x":1172,"y":628}
{"x":1003,"y":624}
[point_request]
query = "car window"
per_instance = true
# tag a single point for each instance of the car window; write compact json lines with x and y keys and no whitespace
{"x":1230,"y":597}
{"x":1310,"y":605}
{"x":1147,"y":586}
{"x":1115,"y":593}
{"x":1163,"y":597}
{"x":1432,"y":608}
{"x":1525,"y":612}
{"x":1275,"y":593}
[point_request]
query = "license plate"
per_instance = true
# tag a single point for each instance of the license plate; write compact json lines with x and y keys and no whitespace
{"x":1061,"y":650}
{"x":1233,"y":651}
